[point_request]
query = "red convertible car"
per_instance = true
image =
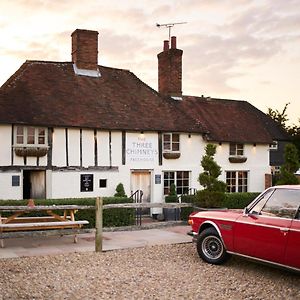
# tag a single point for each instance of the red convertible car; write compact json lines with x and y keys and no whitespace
{"x":268,"y":230}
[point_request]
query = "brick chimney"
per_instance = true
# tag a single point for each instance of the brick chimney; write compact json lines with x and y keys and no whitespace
{"x":170,"y":70}
{"x":85,"y":49}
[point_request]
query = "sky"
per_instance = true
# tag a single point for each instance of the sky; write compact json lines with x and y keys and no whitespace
{"x":238,"y":49}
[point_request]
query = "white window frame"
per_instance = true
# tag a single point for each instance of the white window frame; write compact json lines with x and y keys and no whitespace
{"x":171,"y":142}
{"x":170,"y":181}
{"x":36,"y":137}
{"x":235,"y":187}
{"x":239,"y":149}
{"x":274,"y":145}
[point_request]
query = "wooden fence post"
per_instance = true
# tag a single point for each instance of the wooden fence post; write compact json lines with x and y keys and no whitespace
{"x":99,"y":224}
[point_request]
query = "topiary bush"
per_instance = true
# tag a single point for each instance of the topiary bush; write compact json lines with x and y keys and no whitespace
{"x":120,"y":192}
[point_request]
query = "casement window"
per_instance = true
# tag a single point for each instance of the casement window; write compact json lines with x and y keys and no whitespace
{"x":237,"y":181}
{"x":236,"y":149}
{"x":273,"y":146}
{"x":181,"y":179}
{"x":28,"y":136}
{"x":171,"y":142}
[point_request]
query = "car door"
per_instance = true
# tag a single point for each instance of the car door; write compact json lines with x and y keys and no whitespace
{"x":263,"y":232}
{"x":292,"y":256}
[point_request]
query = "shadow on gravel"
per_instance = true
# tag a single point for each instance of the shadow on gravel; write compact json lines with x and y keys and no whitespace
{"x":262,"y":268}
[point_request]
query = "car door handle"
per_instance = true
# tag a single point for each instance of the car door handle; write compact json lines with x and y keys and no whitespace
{"x":284,"y":229}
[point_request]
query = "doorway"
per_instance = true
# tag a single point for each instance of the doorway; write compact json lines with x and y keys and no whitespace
{"x":141,"y":180}
{"x":34,"y":184}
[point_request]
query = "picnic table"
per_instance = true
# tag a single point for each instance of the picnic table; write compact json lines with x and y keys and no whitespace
{"x":17,"y":220}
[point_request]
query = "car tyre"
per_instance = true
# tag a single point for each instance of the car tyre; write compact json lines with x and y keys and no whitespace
{"x":210,"y":247}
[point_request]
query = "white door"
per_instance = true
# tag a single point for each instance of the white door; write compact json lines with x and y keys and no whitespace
{"x":141,"y":180}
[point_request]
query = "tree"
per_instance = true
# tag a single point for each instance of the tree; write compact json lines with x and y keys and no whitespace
{"x":120,"y":192}
{"x":290,"y":166}
{"x":281,"y":118}
{"x":209,"y":178}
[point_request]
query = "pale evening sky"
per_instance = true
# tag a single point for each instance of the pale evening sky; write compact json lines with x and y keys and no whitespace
{"x":237,"y":49}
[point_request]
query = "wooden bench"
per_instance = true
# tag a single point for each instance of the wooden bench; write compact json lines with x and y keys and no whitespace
{"x":15,"y":223}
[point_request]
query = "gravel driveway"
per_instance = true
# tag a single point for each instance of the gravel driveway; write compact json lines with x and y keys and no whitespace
{"x":157,"y":272}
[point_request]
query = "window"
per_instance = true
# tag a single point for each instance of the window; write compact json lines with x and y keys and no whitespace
{"x":236,"y":149}
{"x":237,"y":181}
{"x":171,"y":142}
{"x":273,"y":146}
{"x":181,"y":179}
{"x":103,"y":183}
{"x":283,"y":203}
{"x":30,"y":136}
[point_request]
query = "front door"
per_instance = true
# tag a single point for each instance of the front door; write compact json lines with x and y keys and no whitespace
{"x":141,"y":180}
{"x":34,"y":184}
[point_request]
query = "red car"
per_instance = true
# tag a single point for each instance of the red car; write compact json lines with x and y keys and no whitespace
{"x":268,"y":230}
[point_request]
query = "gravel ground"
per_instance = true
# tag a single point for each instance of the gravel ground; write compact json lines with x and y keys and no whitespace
{"x":158,"y":272}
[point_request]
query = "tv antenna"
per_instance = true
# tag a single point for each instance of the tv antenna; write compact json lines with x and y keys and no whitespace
{"x":169,"y":25}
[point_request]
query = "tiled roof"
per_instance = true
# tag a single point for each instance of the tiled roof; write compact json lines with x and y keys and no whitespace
{"x":51,"y":94}
{"x":232,"y":120}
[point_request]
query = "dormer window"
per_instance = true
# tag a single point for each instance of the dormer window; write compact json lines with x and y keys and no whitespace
{"x":236,"y":149}
{"x":28,"y":136}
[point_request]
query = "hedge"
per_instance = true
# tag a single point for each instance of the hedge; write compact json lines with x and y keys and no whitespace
{"x":111,"y":217}
{"x":214,"y":200}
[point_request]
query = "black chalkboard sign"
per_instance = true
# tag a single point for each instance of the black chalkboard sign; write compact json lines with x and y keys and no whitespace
{"x":15,"y":180}
{"x":86,"y":182}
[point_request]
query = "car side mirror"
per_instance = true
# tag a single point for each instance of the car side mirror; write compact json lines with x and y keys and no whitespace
{"x":246,"y":211}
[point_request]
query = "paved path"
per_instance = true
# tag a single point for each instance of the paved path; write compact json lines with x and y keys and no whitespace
{"x":51,"y":245}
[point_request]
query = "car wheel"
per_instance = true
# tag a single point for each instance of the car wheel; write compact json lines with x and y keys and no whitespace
{"x":210,"y":247}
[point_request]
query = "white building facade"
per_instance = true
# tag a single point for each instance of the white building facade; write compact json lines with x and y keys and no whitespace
{"x":78,"y":129}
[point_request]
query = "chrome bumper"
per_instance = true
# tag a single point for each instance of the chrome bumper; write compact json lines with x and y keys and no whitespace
{"x":193,"y":234}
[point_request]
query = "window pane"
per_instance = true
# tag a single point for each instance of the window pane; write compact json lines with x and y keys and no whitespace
{"x":240,"y":149}
{"x":232,"y":148}
{"x":175,"y":147}
{"x":41,"y":140}
{"x":20,"y":130}
{"x":283,"y":203}
{"x":167,"y":137}
{"x":175,"y":137}
{"x":261,"y":202}
{"x":30,"y":135}
{"x":167,"y":146}
{"x":20,"y":140}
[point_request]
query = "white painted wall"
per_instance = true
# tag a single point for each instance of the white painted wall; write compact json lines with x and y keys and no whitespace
{"x":61,"y":184}
{"x":74,"y":147}
{"x":103,"y":148}
{"x":88,"y":158}
{"x":7,"y":191}
{"x":257,"y":164}
{"x":5,"y":145}
{"x":66,"y":184}
{"x":116,"y":148}
{"x":59,"y":147}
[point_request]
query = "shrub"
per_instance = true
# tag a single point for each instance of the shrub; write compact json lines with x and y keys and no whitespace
{"x":120,"y":192}
{"x":209,"y":199}
{"x":238,"y":200}
{"x":230,"y":200}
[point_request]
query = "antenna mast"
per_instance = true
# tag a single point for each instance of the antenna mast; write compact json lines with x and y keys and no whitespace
{"x":169,"y":25}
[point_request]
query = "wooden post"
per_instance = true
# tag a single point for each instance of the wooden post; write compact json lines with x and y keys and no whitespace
{"x":99,"y":224}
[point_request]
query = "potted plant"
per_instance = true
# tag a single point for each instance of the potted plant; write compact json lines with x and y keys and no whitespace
{"x":171,"y":214}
